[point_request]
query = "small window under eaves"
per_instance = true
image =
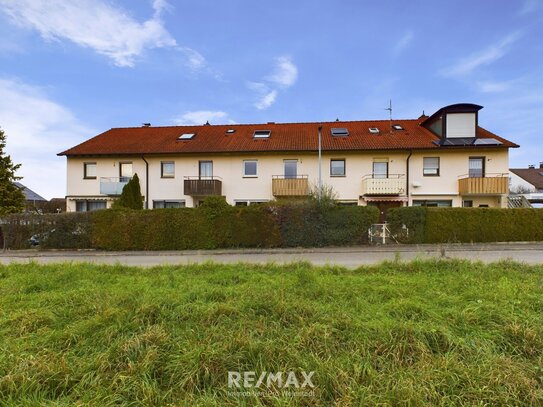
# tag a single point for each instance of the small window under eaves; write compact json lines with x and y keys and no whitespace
{"x":262,"y":134}
{"x":397,"y":127}
{"x":339,"y":132}
{"x":374,"y":130}
{"x":186,"y":136}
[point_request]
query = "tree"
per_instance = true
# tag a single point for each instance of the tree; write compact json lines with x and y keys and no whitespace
{"x":11,"y":197}
{"x":131,"y":196}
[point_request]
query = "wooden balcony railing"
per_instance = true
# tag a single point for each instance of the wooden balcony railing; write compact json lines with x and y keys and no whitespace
{"x":290,"y":186}
{"x":492,"y":184}
{"x":393,"y":185}
{"x":202,"y":186}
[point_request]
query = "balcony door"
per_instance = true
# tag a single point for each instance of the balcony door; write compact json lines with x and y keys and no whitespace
{"x":291,"y":168}
{"x":476,"y":167}
{"x":380,"y":169}
{"x":206,"y":170}
{"x":125,"y":172}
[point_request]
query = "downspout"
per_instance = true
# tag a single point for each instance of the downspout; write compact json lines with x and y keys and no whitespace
{"x":146,"y":182}
{"x":407,"y":175}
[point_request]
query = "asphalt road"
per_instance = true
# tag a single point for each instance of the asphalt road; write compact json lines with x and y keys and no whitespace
{"x":351,"y":257}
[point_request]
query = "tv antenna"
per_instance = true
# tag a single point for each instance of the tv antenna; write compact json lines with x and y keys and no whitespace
{"x":389,"y":108}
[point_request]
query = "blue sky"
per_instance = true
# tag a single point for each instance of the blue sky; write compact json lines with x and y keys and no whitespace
{"x":70,"y":70}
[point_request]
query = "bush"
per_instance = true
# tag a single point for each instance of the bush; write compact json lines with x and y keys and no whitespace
{"x":52,"y":231}
{"x":413,"y":217}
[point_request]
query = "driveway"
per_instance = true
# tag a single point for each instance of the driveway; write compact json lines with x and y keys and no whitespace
{"x":350,"y":257}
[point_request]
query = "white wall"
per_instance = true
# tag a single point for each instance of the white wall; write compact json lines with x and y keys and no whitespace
{"x":235,"y":186}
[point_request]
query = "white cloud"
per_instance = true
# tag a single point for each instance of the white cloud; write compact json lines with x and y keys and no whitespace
{"x":285,"y":74}
{"x":494,"y":87}
{"x":406,"y":39}
{"x":529,"y":6}
{"x":195,"y":60}
{"x":483,"y":57}
{"x":38,"y":128}
{"x":94,"y":24}
{"x":200,"y":117}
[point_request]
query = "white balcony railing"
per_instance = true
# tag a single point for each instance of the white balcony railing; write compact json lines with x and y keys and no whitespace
{"x":112,"y":185}
{"x":392,"y":185}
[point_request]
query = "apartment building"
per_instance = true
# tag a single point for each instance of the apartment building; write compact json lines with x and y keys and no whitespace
{"x":443,"y":160}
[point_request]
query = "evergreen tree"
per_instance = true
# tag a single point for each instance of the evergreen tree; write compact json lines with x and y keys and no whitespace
{"x":11,"y":197}
{"x":131,"y":196}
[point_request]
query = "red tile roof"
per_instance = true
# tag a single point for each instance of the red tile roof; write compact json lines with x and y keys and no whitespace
{"x":284,"y":137}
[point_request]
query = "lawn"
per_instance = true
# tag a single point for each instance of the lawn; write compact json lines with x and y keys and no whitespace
{"x":421,"y":333}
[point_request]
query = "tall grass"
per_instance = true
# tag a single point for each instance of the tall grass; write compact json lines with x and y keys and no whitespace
{"x":420,"y":333}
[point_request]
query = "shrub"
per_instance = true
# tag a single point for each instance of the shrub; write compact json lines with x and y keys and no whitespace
{"x":413,"y":217}
{"x":131,"y":197}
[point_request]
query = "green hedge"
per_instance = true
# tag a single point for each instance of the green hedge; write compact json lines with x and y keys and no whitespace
{"x":465,"y":225}
{"x":215,"y":224}
{"x":54,"y":231}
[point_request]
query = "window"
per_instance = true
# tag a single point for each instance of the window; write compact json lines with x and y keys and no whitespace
{"x":241,"y":203}
{"x":291,"y":168}
{"x":249,"y":168}
{"x":397,"y":127}
{"x":467,"y":204}
{"x":186,"y":136}
{"x":87,"y":206}
{"x":380,"y":169}
{"x":374,"y":130}
{"x":262,"y":134}
{"x":167,"y":169}
{"x":125,"y":172}
{"x":483,"y":206}
{"x":89,"y":170}
{"x":433,"y":203}
{"x":168,"y":204}
{"x":230,"y":131}
{"x":339,"y":132}
{"x":206,"y":169}
{"x":430,"y":167}
{"x":337,"y":168}
{"x":476,"y":167}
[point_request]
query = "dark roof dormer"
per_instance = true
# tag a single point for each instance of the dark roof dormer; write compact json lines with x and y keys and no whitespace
{"x":455,"y":124}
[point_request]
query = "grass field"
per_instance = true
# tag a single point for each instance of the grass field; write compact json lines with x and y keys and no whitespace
{"x":422,"y":333}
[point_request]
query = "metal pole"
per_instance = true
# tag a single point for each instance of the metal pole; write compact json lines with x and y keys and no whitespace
{"x":320,"y":164}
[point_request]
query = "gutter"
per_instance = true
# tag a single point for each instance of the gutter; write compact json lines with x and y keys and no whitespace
{"x":407,"y":175}
{"x":146,"y":182}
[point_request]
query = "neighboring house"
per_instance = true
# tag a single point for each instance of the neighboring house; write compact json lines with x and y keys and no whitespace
{"x":445,"y":159}
{"x":32,"y":199}
{"x":528,"y":182}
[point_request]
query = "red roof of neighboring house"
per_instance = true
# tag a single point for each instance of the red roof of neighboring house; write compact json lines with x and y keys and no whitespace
{"x":533,"y":176}
{"x":284,"y":137}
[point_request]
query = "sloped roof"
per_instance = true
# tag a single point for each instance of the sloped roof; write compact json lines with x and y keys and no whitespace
{"x":533,"y":176}
{"x":284,"y":137}
{"x":28,"y":193}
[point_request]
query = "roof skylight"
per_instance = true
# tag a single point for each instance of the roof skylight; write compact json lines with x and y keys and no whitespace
{"x":374,"y":130}
{"x":186,"y":136}
{"x":262,"y":133}
{"x":397,"y":127}
{"x":339,"y":132}
{"x":230,"y":131}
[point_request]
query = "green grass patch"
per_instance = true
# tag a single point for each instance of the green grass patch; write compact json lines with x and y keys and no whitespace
{"x":420,"y":333}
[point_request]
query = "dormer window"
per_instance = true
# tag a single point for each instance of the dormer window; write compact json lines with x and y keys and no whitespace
{"x":186,"y":136}
{"x":262,"y":134}
{"x":454,"y":124}
{"x":460,"y":125}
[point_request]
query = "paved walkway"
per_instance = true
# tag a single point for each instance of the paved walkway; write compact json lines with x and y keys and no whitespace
{"x":351,"y":257}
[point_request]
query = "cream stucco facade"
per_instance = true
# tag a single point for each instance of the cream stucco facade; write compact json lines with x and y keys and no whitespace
{"x":406,"y":166}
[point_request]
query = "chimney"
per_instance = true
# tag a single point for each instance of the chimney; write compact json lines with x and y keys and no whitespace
{"x":531,"y":167}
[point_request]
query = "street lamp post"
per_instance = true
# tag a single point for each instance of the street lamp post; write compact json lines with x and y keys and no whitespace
{"x":319,"y":191}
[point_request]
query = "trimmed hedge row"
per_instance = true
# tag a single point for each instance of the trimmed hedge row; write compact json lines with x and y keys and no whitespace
{"x":215,"y":224}
{"x":465,"y":225}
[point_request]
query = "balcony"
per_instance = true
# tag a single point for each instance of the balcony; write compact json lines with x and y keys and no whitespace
{"x":393,"y":185}
{"x":202,"y":186}
{"x":290,"y":186}
{"x":494,"y":184}
{"x":112,"y":186}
